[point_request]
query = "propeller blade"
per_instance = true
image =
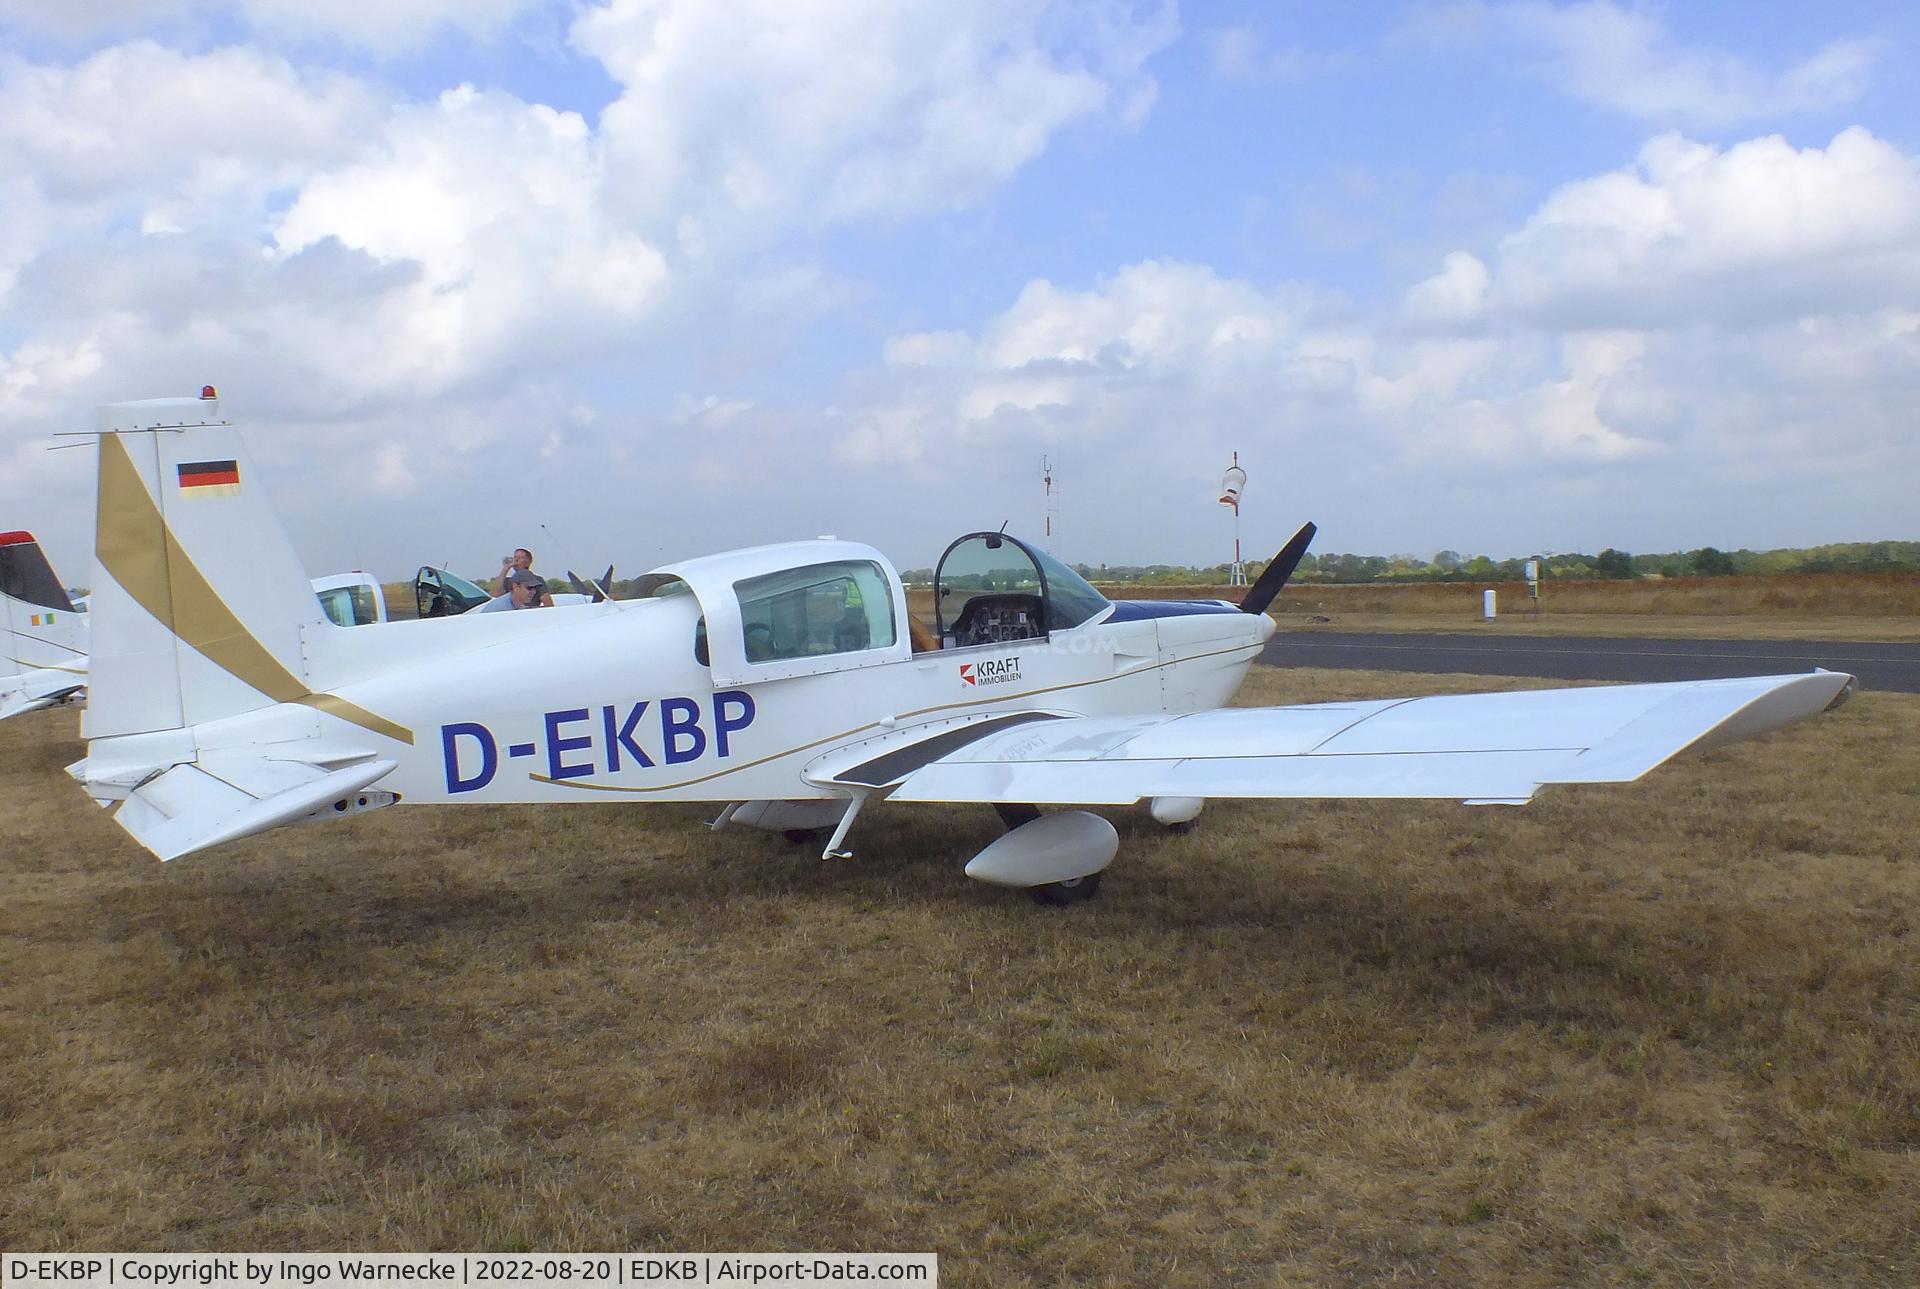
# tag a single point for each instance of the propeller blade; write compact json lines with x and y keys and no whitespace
{"x":594,"y":591}
{"x":1275,"y":575}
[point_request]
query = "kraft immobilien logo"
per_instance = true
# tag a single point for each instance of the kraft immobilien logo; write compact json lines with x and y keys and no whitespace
{"x":993,"y":671}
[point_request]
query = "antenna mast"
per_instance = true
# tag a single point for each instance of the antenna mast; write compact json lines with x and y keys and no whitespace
{"x":1051,"y":506}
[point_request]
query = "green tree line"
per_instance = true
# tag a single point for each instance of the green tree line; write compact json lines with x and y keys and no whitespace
{"x":1609,"y":564}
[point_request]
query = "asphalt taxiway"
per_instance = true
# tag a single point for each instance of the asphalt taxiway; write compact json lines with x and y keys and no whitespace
{"x":1879,"y":666}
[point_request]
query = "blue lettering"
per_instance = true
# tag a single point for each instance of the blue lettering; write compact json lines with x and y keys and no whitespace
{"x":623,"y":737}
{"x":489,"y":756}
{"x":687,"y":726}
{"x":724,"y":725}
{"x":557,"y":769}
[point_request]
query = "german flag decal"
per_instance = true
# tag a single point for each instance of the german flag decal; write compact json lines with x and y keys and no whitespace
{"x":210,"y":478}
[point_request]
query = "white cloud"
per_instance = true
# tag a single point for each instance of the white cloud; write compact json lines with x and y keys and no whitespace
{"x":1238,"y":54}
{"x":174,"y":138}
{"x":424,"y":285}
{"x":85,"y":19}
{"x":1079,"y":366}
{"x":928,"y":349}
{"x":1150,"y":316}
{"x":388,"y":27}
{"x":1696,"y":232}
{"x":1626,"y":60}
{"x":740,"y":118}
{"x":1675,"y":348}
{"x":1456,"y":294}
{"x":499,"y":205}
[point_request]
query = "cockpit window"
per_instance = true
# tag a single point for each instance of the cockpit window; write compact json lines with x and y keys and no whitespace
{"x":842,"y":607}
{"x":439,"y":594}
{"x":349,"y":606}
{"x":661,"y":586}
{"x":991,"y":588}
{"x":988,"y":589}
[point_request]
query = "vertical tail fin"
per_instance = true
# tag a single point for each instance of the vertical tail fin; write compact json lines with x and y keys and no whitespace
{"x":198,"y":598}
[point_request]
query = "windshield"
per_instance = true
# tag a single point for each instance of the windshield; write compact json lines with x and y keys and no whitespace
{"x":993,"y":587}
{"x":462,"y":587}
{"x":1070,"y":599}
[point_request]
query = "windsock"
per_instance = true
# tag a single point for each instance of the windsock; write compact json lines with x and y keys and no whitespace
{"x":1231,"y":483}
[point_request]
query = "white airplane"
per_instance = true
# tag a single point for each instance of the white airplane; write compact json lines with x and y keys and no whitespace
{"x":46,"y":636}
{"x":787,"y":682}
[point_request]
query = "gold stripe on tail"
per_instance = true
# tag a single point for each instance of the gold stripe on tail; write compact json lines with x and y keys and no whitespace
{"x":135,"y":545}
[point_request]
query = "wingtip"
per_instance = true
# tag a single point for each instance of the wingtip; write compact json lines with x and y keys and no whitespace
{"x":1848,"y":688}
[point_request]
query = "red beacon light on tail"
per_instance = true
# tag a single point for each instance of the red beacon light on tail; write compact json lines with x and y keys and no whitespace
{"x":208,"y":392}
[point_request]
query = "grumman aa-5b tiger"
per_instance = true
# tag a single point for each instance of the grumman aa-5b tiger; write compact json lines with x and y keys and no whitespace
{"x":787,"y":683}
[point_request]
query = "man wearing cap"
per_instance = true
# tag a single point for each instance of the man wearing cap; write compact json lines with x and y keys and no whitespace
{"x":525,"y":590}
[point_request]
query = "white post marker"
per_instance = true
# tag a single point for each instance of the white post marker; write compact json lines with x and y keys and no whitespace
{"x":1486,"y":604}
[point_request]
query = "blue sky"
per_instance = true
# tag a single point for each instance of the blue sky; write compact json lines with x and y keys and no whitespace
{"x":639,"y":278}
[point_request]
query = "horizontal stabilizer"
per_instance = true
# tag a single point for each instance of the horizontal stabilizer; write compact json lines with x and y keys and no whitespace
{"x":1468,"y":747}
{"x":203,"y":803}
{"x":33,"y":690}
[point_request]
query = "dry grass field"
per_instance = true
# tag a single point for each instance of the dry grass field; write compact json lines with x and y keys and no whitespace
{"x":1661,"y":1034}
{"x":1825,"y":606}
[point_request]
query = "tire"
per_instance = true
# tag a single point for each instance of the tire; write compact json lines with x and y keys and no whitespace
{"x":1078,"y":890}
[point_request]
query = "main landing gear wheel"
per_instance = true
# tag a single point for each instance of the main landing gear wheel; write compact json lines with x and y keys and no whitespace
{"x":1075,"y":890}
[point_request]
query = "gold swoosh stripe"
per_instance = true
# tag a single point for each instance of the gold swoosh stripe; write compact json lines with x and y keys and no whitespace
{"x":135,"y":545}
{"x":45,"y":666}
{"x":862,"y":729}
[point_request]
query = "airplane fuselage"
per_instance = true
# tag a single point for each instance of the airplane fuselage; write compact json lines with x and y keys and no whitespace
{"x":609,"y":702}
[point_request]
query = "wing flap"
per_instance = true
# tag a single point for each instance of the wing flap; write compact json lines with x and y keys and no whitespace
{"x":1479,"y":747}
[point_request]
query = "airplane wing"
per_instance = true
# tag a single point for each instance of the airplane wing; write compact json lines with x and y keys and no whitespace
{"x":32,"y":690}
{"x":1480,"y":748}
{"x":202,"y":803}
